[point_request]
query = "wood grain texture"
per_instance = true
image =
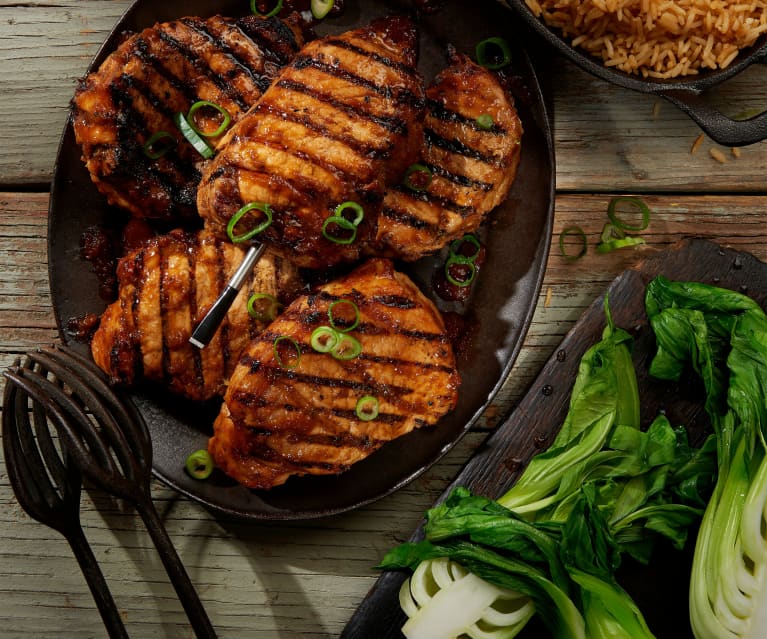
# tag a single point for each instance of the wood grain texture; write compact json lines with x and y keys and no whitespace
{"x":272,"y":581}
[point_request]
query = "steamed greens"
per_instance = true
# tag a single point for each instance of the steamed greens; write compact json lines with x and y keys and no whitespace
{"x":553,"y":543}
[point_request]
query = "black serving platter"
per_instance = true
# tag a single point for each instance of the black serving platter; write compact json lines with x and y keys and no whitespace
{"x":498,"y":313}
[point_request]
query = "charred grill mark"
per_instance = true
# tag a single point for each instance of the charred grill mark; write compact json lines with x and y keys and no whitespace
{"x":460,"y":180}
{"x":192,"y":246}
{"x":356,"y":145}
{"x":183,"y":49}
{"x":391,"y":124}
{"x":386,"y":61}
{"x":138,"y":356}
{"x":272,"y":36}
{"x":432,"y":138}
{"x":408,"y":219}
{"x":439,"y":111}
{"x":166,"y":376}
{"x":198,"y":26}
{"x":399,"y":363}
{"x":394,"y":301}
{"x":398,"y":95}
{"x":142,"y":50}
{"x":221,"y":279}
{"x":437,"y":200}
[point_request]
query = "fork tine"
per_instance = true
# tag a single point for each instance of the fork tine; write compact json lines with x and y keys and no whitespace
{"x":62,"y":410}
{"x":88,"y":399}
{"x":123,"y":409}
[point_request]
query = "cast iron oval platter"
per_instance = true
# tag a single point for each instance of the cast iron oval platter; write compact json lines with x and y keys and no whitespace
{"x":499,"y":313}
{"x":660,"y":588}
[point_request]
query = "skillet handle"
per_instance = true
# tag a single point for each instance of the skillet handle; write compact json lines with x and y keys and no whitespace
{"x":718,"y":126}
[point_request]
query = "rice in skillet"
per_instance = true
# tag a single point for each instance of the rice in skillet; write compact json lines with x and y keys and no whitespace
{"x":657,"y":38}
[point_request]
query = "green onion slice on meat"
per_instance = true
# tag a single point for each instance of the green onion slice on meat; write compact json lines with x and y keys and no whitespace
{"x":265,"y":221}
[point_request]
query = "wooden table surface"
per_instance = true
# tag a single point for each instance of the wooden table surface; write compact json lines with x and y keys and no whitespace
{"x":305,"y":579}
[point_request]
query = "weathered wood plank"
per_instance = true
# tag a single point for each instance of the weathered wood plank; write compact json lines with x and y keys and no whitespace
{"x":606,"y":137}
{"x":277,"y":580}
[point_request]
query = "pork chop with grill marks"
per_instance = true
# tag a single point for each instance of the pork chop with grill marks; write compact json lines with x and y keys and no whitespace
{"x":279,"y":420}
{"x":165,"y":289}
{"x":157,"y":73}
{"x":472,"y":166}
{"x":339,"y":123}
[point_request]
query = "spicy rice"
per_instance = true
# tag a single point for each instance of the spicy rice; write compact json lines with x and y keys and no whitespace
{"x":657,"y":38}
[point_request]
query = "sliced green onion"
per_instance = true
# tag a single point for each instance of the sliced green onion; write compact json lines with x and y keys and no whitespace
{"x":321,"y":8}
{"x":636,"y":206}
{"x":418,"y":177}
{"x":292,"y":359}
{"x":359,"y":212}
{"x":457,"y":246}
{"x":226,"y":119}
{"x":199,"y":464}
{"x":485,"y":121}
{"x":607,"y":247}
{"x":200,"y":145}
{"x":273,"y":12}
{"x":155,"y":151}
{"x":259,"y":206}
{"x":324,"y":339}
{"x":610,"y":232}
{"x":342,"y":223}
{"x":572,"y":231}
{"x":269,"y":310}
{"x":488,"y":58}
{"x":347,"y":347}
{"x":366,"y":408}
{"x":346,"y":327}
{"x":462,"y":263}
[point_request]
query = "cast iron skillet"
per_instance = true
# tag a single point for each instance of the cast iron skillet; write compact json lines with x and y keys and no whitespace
{"x":498,"y":314}
{"x":686,"y":93}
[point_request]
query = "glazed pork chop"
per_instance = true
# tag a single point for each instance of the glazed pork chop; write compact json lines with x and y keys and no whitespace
{"x":157,"y":73}
{"x":165,"y":288}
{"x":339,"y":123}
{"x":472,"y":163}
{"x":282,"y":418}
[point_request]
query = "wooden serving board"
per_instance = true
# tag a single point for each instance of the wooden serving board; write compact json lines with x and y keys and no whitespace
{"x":660,"y":589}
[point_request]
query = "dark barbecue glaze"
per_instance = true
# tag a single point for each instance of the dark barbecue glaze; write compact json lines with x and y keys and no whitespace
{"x":165,"y":289}
{"x":156,"y":73}
{"x":340,"y":122}
{"x":472,"y":168}
{"x":277,"y":422}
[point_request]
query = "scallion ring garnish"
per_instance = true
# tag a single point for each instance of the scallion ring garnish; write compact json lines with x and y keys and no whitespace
{"x":366,"y":408}
{"x":268,"y":309}
{"x":610,"y":232}
{"x":321,"y":8}
{"x":465,"y":268}
{"x":493,"y":53}
{"x":607,"y":247}
{"x":485,"y":121}
{"x":155,"y":151}
{"x":261,"y":226}
{"x":418,"y":177}
{"x":635,"y":207}
{"x":456,"y":247}
{"x":290,"y":359}
{"x":199,"y":464}
{"x":324,"y":339}
{"x":226,"y":119}
{"x":346,"y":323}
{"x":200,"y":145}
{"x":359,"y":212}
{"x":347,"y":347}
{"x":273,"y":12}
{"x":577,"y":232}
{"x":341,"y":223}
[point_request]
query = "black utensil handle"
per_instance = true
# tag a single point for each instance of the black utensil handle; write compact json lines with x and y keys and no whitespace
{"x":97,"y":584}
{"x":719,"y":127}
{"x":186,"y":592}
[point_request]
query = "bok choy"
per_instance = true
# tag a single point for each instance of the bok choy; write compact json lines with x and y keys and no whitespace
{"x":553,"y":543}
{"x":722,"y":336}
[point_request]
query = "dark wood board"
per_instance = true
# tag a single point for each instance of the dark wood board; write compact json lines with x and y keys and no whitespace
{"x":661,"y":588}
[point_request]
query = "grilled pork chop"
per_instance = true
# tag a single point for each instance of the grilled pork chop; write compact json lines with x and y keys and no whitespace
{"x":340,"y":122}
{"x":152,"y":76}
{"x":279,"y":421}
{"x":472,"y":167}
{"x":165,"y":288}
